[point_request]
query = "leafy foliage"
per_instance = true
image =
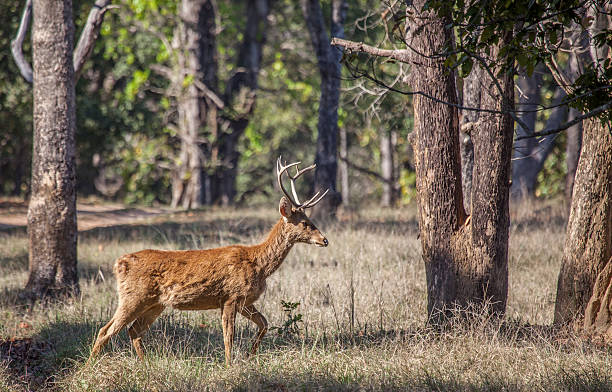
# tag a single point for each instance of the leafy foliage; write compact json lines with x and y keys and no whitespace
{"x":291,"y":325}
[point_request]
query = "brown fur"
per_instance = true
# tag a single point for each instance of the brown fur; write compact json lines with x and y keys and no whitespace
{"x":230,"y":278}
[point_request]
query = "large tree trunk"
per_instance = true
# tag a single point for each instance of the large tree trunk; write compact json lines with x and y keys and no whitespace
{"x":52,"y":228}
{"x":465,"y":261}
{"x":490,"y":193}
{"x":330,"y":70}
{"x":588,"y":240}
{"x":438,"y":171}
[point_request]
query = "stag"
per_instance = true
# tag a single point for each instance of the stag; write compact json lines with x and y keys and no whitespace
{"x":230,"y":278}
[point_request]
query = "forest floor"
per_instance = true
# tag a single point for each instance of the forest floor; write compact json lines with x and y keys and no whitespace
{"x":90,"y":214}
{"x":362,"y":301}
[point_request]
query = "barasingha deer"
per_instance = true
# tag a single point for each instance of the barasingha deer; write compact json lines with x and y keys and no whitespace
{"x":230,"y":278}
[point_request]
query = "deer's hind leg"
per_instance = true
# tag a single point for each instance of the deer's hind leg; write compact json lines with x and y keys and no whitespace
{"x":125,"y":314}
{"x":141,"y":325}
{"x":251,"y":313}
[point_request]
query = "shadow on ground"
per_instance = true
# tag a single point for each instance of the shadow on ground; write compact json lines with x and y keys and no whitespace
{"x":61,"y":348}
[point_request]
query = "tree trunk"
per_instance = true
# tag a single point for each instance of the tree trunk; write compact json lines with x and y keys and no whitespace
{"x":523,"y":175}
{"x":437,"y":164}
{"x":343,"y":166}
{"x":472,"y":89}
{"x":465,"y":260}
{"x":387,"y":168}
{"x":530,"y":154}
{"x":52,"y":228}
{"x":572,"y":154}
{"x":194,"y":35}
{"x":598,"y":313}
{"x":330,"y":69}
{"x":240,"y":95}
{"x":588,"y":240}
{"x":574,"y":133}
{"x":490,"y":193}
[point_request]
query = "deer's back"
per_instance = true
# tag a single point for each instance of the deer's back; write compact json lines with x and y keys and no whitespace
{"x":190,"y":279}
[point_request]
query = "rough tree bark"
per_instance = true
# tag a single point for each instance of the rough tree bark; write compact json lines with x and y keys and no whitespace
{"x":588,"y":240}
{"x":488,"y":278}
{"x":466,"y":261}
{"x":330,"y":69}
{"x":52,"y":228}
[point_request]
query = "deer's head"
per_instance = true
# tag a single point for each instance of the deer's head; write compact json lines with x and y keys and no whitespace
{"x":294,"y":212}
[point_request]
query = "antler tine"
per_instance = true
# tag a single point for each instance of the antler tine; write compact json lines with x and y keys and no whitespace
{"x":298,"y":173}
{"x":312,"y":202}
{"x":280,"y":169}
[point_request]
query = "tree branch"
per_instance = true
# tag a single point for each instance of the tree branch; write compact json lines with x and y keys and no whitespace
{"x":568,"y":124}
{"x":363,"y":170}
{"x":396,"y":54}
{"x":89,"y":34}
{"x":209,"y":93}
{"x":83,"y":48}
{"x":17,"y":44}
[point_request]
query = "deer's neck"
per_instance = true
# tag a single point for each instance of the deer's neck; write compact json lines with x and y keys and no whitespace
{"x":274,"y":249}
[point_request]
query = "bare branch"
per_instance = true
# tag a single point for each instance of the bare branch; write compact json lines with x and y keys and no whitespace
{"x":89,"y":34}
{"x":209,"y":93}
{"x":568,"y":124}
{"x":17,"y":44}
{"x":558,"y":75}
{"x":396,"y":54}
{"x":162,"y":70}
{"x":364,"y":170}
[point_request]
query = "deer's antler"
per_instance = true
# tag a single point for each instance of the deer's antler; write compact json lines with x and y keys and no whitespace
{"x":280,"y":169}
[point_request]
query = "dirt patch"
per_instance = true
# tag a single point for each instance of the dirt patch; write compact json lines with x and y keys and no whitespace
{"x":89,"y":215}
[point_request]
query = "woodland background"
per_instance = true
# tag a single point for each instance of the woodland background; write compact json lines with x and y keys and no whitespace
{"x":127,"y":142}
{"x":467,"y":147}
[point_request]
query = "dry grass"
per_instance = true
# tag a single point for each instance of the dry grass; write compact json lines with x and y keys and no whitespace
{"x":363,"y":304}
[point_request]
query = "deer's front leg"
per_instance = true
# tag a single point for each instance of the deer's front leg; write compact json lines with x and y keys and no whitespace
{"x":228,"y":319}
{"x":251,"y":313}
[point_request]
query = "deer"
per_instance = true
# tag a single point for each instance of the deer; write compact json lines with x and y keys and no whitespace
{"x":229,"y":278}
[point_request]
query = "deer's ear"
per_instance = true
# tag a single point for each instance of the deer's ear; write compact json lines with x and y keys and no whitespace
{"x":285,"y":207}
